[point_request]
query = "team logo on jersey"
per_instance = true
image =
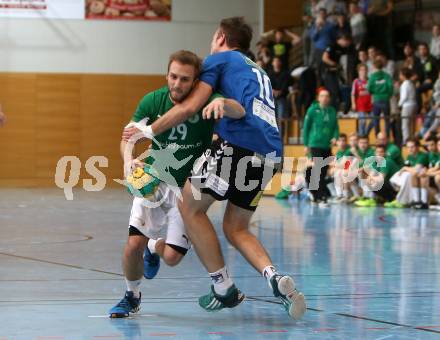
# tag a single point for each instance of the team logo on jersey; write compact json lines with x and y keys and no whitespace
{"x":164,"y":161}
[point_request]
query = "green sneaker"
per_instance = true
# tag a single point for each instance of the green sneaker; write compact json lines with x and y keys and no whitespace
{"x":370,"y":202}
{"x":282,"y":194}
{"x":293,"y":301}
{"x":214,"y":302}
{"x":394,"y":204}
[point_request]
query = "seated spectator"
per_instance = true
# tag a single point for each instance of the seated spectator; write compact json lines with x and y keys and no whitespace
{"x":320,"y":131}
{"x":392,"y":150}
{"x":322,"y":34}
{"x":332,"y":67}
{"x":353,"y":186}
{"x":361,"y":99}
{"x":338,"y":167}
{"x":361,"y":153}
{"x":434,"y":47}
{"x":407,"y":102}
{"x":358,"y":25}
{"x":429,"y":74}
{"x":280,"y":79}
{"x":279,"y":47}
{"x":380,"y":85}
{"x":432,"y":118}
{"x":378,"y":181}
{"x":433,"y":173}
{"x":413,"y":190}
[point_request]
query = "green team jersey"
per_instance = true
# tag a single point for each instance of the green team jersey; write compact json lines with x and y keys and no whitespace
{"x":388,"y":169}
{"x":320,"y":126}
{"x":434,"y":159}
{"x":393,"y":152}
{"x":364,"y":155}
{"x":174,"y":151}
{"x":342,"y":153}
{"x":421,"y":158}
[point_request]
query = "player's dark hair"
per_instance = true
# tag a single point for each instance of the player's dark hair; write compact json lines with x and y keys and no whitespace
{"x":424,"y":44}
{"x":238,"y":33}
{"x":378,"y":63}
{"x":381,"y":146}
{"x":187,"y":58}
{"x":364,"y":137}
{"x":406,"y":72}
{"x":431,"y":138}
{"x":413,"y":140}
{"x":342,"y":135}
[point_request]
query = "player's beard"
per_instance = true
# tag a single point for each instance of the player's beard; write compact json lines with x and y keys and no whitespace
{"x":177,"y":95}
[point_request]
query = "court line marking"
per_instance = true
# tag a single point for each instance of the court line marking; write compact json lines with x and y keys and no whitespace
{"x":36,"y":243}
{"x":357,"y":317}
{"x":59,"y":264}
{"x":165,"y":299}
{"x":198,"y":277}
{"x":130,"y":317}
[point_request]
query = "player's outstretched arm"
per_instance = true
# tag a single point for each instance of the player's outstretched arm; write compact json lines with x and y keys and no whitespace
{"x":181,"y":112}
{"x":220,"y":107}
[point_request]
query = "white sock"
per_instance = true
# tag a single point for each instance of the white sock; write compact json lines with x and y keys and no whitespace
{"x":134,"y":286}
{"x":268,"y":272}
{"x":152,"y":245}
{"x":345,"y":194}
{"x":367,"y":192}
{"x":415,"y":194}
{"x":338,"y":190}
{"x":221,"y":281}
{"x":355,"y":191}
{"x":333,"y":189}
{"x":424,"y":195}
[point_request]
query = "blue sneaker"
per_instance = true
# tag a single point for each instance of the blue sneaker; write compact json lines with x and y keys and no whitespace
{"x":128,"y":304}
{"x":151,"y":264}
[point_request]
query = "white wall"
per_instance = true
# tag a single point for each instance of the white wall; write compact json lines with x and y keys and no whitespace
{"x":126,"y":47}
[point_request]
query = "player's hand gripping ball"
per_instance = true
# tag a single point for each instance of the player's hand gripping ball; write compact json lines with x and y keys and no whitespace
{"x":143,"y":182}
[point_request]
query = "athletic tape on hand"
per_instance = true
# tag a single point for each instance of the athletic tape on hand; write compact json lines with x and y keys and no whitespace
{"x":146,"y":130}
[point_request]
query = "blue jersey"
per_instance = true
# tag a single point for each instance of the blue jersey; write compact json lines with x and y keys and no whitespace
{"x":237,"y":77}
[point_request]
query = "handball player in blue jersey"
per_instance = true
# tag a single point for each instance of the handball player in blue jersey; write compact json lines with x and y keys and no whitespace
{"x":236,"y":167}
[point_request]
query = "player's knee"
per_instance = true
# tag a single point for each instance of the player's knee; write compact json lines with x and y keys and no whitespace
{"x":233,"y":232}
{"x":135,"y":246}
{"x":171,"y":257}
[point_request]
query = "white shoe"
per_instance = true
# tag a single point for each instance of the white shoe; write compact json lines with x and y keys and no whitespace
{"x":293,"y":300}
{"x":323,"y":204}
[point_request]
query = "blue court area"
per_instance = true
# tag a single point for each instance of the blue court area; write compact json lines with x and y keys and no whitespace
{"x":366,"y":274}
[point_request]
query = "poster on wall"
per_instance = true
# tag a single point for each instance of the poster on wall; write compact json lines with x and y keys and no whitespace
{"x":129,"y":9}
{"x":55,"y":9}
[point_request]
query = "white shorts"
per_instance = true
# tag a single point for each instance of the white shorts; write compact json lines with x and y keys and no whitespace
{"x":154,"y":221}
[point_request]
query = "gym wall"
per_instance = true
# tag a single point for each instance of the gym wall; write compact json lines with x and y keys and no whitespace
{"x":68,"y":87}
